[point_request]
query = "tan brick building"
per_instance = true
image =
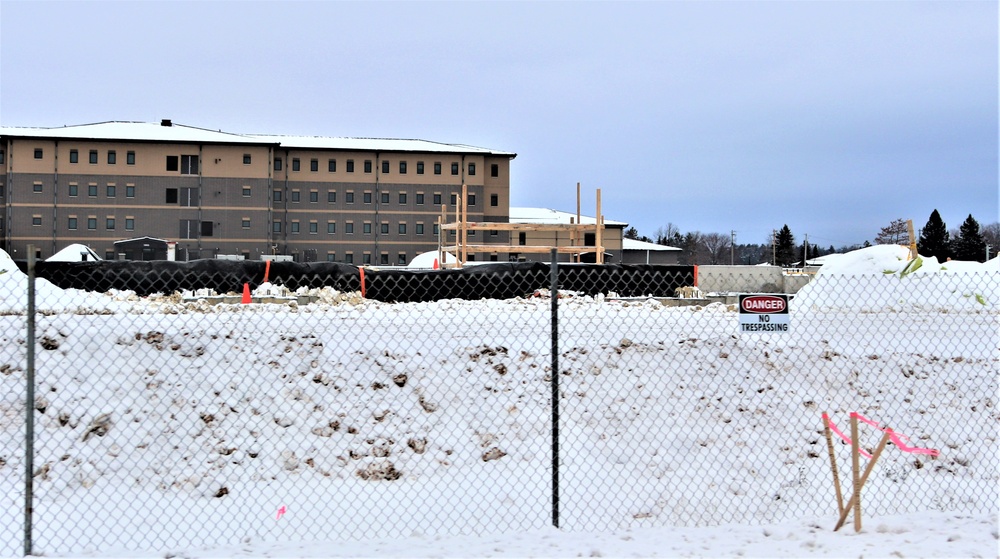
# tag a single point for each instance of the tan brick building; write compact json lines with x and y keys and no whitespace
{"x":361,"y":201}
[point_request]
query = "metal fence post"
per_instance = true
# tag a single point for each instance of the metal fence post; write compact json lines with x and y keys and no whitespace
{"x":29,"y":404}
{"x":554,"y":292}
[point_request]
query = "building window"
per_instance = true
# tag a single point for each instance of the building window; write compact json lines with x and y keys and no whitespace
{"x":402,"y":228}
{"x":246,"y":192}
{"x":384,"y":229}
{"x":171,"y":195}
{"x":112,"y":157}
{"x":277,"y":163}
{"x":71,"y":224}
{"x":276,"y":196}
{"x":73,"y":190}
{"x":437,"y":198}
{"x":367,"y":198}
{"x":111,"y":191}
{"x":368,"y":165}
{"x":74,"y":156}
{"x":189,"y":164}
{"x":494,"y":233}
{"x":472,"y":169}
{"x":38,"y":153}
{"x":331,"y":196}
{"x":37,"y":187}
{"x":420,"y":167}
{"x":109,"y":224}
{"x":331,"y":227}
{"x":454,"y":168}
{"x":494,"y":200}
{"x":366,"y":258}
{"x":402,"y":167}
{"x":350,"y":165}
{"x":385,"y":167}
{"x":245,"y":223}
{"x":401,"y":260}
{"x":435,"y":229}
{"x":93,"y":157}
{"x":313,"y":227}
{"x":437,"y":167}
{"x":348,"y":258}
{"x":331,"y":165}
{"x":296,"y":164}
{"x":246,"y":158}
{"x":314,"y":196}
{"x":276,"y":227}
{"x":385,"y":197}
{"x":420,"y":229}
{"x":522,"y":238}
{"x":130,"y":191}
{"x":294,"y":196}
{"x":92,"y":191}
{"x":349,"y":228}
{"x":130,"y":158}
{"x":314,"y":165}
{"x":172,"y":164}
{"x":36,"y":220}
{"x":2,"y":157}
{"x":402,"y":197}
{"x":384,"y":259}
{"x":454,"y":199}
{"x":92,"y":223}
{"x":472,"y":199}
{"x":349,"y":197}
{"x":331,"y":257}
{"x":206,"y":228}
{"x":130,"y":224}
{"x":420,"y":199}
{"x":366,"y":228}
{"x":494,"y":170}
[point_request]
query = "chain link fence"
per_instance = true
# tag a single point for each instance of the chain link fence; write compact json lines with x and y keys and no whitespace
{"x":191,"y":420}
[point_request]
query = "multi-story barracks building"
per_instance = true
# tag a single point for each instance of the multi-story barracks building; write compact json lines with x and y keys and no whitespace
{"x":210,"y":193}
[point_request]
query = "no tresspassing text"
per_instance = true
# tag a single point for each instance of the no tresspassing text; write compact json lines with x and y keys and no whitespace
{"x":764,"y":327}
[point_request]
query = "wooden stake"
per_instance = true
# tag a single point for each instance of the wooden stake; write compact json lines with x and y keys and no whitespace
{"x":599,"y":233}
{"x":833,"y":463}
{"x":855,"y":460}
{"x":854,"y":502}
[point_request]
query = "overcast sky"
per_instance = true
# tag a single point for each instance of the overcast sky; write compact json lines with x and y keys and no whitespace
{"x":832,"y":117}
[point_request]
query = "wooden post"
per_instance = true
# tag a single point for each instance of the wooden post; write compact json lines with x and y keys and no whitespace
{"x":599,"y":234}
{"x":463,"y":211}
{"x":575,"y":233}
{"x":913,"y":240}
{"x":854,"y":501}
{"x":833,"y":463}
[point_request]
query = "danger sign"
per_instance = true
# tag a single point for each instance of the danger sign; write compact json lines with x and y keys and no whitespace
{"x":764,"y":313}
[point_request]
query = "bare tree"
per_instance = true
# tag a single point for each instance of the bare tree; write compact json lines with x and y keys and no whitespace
{"x":665,"y":233}
{"x":716,"y":247}
{"x":893,"y":234}
{"x":991,"y":234}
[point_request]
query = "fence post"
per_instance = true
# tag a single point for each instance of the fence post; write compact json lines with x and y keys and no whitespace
{"x":29,"y":405}
{"x":554,"y":293}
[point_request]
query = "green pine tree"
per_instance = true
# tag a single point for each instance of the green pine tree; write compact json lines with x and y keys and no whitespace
{"x":785,"y":252}
{"x":934,"y":238}
{"x":969,"y":245}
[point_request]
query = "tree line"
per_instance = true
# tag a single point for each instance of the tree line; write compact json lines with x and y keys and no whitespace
{"x":968,"y":242}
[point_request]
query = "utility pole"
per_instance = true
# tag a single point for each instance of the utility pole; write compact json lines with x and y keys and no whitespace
{"x":774,"y":248}
{"x":732,"y":248}
{"x":805,"y":257}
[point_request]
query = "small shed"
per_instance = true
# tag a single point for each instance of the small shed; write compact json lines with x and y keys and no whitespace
{"x":141,"y":248}
{"x":641,"y":252}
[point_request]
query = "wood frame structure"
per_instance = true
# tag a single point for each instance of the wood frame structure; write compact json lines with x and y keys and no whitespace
{"x":462,"y":227}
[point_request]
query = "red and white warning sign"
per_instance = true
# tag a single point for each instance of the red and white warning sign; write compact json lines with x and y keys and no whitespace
{"x":764,"y":312}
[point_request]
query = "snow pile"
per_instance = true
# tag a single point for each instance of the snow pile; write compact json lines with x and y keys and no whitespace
{"x":48,"y":297}
{"x":885,"y":278}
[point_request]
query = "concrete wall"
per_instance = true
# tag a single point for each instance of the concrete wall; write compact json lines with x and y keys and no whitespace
{"x":750,"y":279}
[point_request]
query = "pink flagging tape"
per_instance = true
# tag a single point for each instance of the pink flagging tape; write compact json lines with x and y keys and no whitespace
{"x":281,"y":512}
{"x":847,"y":439}
{"x":898,"y":439}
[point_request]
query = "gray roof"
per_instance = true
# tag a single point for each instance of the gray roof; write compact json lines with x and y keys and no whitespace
{"x":179,"y":133}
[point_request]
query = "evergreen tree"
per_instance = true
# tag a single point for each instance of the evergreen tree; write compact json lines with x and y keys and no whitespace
{"x":631,"y":233}
{"x":785,"y":247}
{"x":934,"y":239}
{"x":969,"y":244}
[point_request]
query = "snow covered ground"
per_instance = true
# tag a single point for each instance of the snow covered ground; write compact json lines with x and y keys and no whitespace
{"x":353,"y":428}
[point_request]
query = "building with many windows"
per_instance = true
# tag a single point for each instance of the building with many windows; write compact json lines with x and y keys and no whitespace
{"x":212,"y":193}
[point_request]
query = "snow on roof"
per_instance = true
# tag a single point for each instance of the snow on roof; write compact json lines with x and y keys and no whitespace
{"x":157,"y":132}
{"x":74,"y":253}
{"x":377,"y":144}
{"x":632,"y":244}
{"x":545,"y":215}
{"x":134,"y":131}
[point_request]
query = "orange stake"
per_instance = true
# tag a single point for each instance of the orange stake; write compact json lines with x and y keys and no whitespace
{"x":361,"y":271}
{"x":267,"y":269}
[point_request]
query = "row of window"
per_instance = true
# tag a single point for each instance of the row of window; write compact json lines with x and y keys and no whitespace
{"x":73,"y":223}
{"x":331,"y":166}
{"x":93,"y":157}
{"x":295,"y":227}
{"x":366,"y":197}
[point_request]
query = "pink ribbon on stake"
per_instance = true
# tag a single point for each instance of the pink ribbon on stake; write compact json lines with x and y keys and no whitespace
{"x":896,"y":439}
{"x":281,"y":512}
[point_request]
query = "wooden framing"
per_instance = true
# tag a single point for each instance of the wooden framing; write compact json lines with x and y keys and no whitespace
{"x":462,"y":226}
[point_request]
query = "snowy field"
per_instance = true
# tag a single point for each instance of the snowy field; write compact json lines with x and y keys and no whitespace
{"x":352,"y":428}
